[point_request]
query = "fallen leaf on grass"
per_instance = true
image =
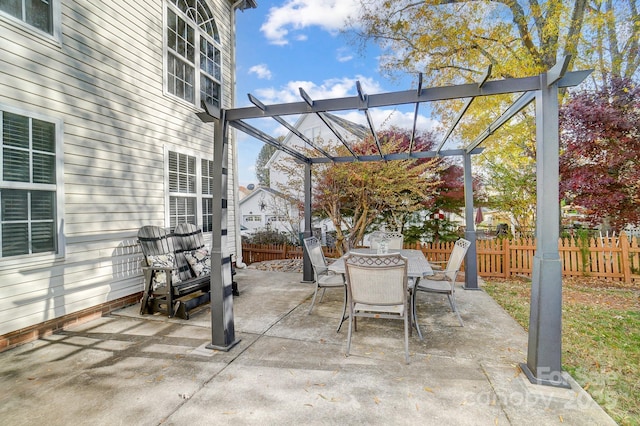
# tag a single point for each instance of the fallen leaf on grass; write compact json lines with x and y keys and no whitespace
{"x":427,"y":389}
{"x":376,"y":400}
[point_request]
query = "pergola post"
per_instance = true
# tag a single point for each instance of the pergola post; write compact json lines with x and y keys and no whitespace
{"x":544,"y":354}
{"x":222,"y":324}
{"x":470,"y":262}
{"x":307,"y":268}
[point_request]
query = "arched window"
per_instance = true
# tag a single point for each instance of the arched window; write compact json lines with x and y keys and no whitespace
{"x":193,"y":60}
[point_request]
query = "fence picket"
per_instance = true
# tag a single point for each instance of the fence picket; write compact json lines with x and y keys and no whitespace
{"x":614,"y":258}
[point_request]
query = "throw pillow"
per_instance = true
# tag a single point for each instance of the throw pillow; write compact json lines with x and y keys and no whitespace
{"x":200,"y":261}
{"x":159,"y":278}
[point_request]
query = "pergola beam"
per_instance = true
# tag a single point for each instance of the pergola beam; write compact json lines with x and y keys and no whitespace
{"x":394,"y":156}
{"x":500,"y":87}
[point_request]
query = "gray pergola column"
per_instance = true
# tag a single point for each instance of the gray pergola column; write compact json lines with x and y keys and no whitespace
{"x":470,"y":261}
{"x":544,"y":352}
{"x":307,"y":269}
{"x":222,"y":324}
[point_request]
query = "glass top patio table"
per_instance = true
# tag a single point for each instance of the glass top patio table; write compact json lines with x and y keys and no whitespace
{"x":417,"y":267}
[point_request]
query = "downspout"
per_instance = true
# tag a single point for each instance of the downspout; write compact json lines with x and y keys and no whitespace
{"x":234,"y":146}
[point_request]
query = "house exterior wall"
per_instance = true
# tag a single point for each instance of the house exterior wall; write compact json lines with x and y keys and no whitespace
{"x":100,"y":76}
{"x":263,"y":209}
{"x":314,"y":128}
{"x":309,"y":125}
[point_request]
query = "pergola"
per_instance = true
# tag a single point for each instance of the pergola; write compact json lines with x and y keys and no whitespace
{"x":543,"y":364}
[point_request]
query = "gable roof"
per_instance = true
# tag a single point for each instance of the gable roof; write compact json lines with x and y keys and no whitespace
{"x":350,"y":127}
{"x":263,"y":189}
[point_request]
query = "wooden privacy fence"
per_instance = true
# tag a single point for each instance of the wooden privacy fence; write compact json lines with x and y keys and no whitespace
{"x":613,"y":258}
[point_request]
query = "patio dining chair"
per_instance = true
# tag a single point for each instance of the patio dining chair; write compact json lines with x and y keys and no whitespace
{"x":444,"y":281}
{"x":322,"y":276}
{"x":377,"y":288}
{"x":374,"y":239}
{"x":395,"y":240}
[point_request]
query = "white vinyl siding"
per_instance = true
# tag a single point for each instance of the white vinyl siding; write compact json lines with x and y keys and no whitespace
{"x":104,"y":81}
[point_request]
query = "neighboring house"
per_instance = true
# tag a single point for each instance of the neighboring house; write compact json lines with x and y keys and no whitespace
{"x":98,"y":104}
{"x":311,"y":126}
{"x":266,"y":208}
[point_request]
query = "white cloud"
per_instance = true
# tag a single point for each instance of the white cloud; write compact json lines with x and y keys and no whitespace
{"x":332,"y":88}
{"x":343,"y":55}
{"x":262,"y":71}
{"x":330,"y":15}
{"x":386,"y":118}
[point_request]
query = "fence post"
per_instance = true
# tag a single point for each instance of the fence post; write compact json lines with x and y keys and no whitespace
{"x":626,"y":262}
{"x":506,"y":256}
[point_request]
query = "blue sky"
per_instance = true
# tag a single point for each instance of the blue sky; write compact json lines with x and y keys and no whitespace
{"x":286,"y":44}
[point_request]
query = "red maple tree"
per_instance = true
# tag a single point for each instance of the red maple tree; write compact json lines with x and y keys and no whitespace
{"x":600,"y":162}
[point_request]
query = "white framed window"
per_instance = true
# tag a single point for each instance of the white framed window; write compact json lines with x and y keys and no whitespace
{"x":193,"y":62}
{"x":207,"y":194}
{"x":313,"y":133}
{"x":31,"y":194}
{"x":275,"y":218}
{"x":190,"y":192}
{"x":43,"y":15}
{"x":253,"y":218}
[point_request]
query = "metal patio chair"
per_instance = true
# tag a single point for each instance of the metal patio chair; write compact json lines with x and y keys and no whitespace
{"x":377,"y":288}
{"x":323,"y":277}
{"x":443,"y":282}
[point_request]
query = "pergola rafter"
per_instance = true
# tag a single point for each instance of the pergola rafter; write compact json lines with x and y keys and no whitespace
{"x":363,"y":102}
{"x":543,"y":364}
{"x":462,"y":111}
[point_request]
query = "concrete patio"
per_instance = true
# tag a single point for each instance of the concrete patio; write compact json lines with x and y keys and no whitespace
{"x":289,"y":368}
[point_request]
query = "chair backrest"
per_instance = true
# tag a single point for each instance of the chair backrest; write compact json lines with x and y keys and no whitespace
{"x":187,"y":237}
{"x":375,"y":238}
{"x":155,"y":240}
{"x":457,"y":256}
{"x":376,"y":279}
{"x":395,"y":240}
{"x":316,"y":255}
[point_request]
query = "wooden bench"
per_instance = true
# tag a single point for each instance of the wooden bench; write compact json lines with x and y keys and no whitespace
{"x":170,"y":284}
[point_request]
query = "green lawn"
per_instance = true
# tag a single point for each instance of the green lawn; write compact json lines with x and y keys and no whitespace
{"x":600,"y":337}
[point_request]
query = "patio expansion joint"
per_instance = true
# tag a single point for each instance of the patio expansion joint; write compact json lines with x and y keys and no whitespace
{"x":495,"y":391}
{"x":240,"y":350}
